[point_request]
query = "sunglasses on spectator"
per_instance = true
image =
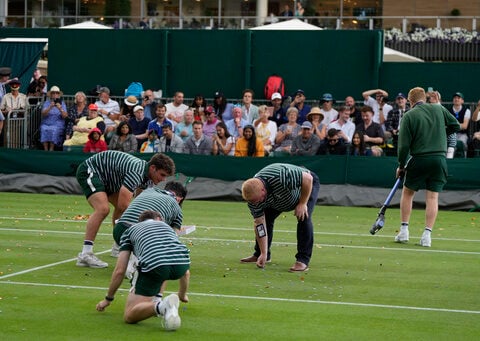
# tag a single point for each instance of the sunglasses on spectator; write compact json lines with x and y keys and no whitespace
{"x":332,"y":140}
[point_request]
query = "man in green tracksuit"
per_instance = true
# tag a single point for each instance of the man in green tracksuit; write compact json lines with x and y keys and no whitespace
{"x":422,"y":146}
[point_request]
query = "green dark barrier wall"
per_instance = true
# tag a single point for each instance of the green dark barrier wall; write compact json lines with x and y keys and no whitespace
{"x":194,"y":61}
{"x":364,"y":171}
{"x":341,"y":62}
{"x":447,"y":78}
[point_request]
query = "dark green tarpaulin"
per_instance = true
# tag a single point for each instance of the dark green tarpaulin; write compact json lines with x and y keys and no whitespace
{"x":22,"y":57}
{"x":362,"y":171}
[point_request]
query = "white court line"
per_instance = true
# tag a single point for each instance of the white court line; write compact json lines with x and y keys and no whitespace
{"x":345,"y":246}
{"x":275,"y":243}
{"x":221,"y":228}
{"x":231,"y":228}
{"x":46,"y":266}
{"x":51,"y":231}
{"x":277,"y":299}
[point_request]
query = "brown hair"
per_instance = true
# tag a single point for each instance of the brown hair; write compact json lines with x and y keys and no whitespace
{"x":145,"y":215}
{"x":366,"y":108}
{"x":248,"y":90}
{"x":162,"y":161}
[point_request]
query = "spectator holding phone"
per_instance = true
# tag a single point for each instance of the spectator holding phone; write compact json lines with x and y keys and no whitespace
{"x":52,"y":125}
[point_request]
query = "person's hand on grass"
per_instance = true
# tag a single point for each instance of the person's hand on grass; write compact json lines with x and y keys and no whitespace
{"x":261,"y":260}
{"x":102,"y":305}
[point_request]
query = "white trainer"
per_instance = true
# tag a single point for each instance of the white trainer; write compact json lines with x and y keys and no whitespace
{"x":426,"y":240}
{"x":115,"y":250}
{"x":90,"y":260}
{"x":169,"y":307}
{"x":402,"y":236}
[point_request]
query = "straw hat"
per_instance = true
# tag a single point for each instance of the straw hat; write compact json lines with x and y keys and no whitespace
{"x":315,"y":111}
{"x":54,"y":89}
{"x":131,"y":101}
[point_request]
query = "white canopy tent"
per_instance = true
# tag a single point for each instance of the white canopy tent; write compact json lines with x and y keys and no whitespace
{"x":389,"y":55}
{"x":88,"y":25}
{"x":292,"y":24}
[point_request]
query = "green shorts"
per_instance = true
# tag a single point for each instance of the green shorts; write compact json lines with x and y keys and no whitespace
{"x":149,"y":283}
{"x":118,"y":230}
{"x":89,"y":180}
{"x":426,"y":172}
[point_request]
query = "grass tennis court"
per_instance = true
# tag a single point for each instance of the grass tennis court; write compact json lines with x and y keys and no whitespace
{"x":359,"y":286}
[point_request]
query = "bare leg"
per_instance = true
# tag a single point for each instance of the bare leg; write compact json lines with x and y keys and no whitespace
{"x":431,"y":209}
{"x":183,"y":287}
{"x":163,"y":288}
{"x":45,"y":146}
{"x":101,"y":208}
{"x":406,"y":203}
{"x":138,"y":308}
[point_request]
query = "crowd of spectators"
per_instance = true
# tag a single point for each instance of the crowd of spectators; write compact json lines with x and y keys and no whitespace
{"x":286,"y":125}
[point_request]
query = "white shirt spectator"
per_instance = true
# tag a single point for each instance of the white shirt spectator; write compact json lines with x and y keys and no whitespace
{"x":348,"y":129}
{"x":112,"y":107}
{"x":329,"y":116}
{"x":372,"y":102}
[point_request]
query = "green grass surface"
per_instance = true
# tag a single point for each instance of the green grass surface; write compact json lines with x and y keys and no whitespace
{"x":359,"y":287}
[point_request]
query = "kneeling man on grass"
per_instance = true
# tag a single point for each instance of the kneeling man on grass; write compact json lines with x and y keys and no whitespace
{"x":275,"y":189}
{"x":161,"y":257}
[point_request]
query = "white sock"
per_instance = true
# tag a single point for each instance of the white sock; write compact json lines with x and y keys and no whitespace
{"x":427,"y":230}
{"x":87,"y":249}
{"x":404,"y":226}
{"x":158,"y":309}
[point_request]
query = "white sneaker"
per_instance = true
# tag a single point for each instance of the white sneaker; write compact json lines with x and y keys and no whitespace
{"x":132,"y":266}
{"x":402,"y":236}
{"x":169,"y":308}
{"x":90,"y":260}
{"x":115,"y":250}
{"x":426,"y":240}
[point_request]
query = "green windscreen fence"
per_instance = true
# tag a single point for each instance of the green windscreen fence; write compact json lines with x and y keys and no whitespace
{"x":342,"y":62}
{"x":204,"y":61}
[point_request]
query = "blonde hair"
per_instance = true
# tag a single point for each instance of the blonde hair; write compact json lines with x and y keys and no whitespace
{"x":416,"y":94}
{"x":250,"y":187}
{"x":262,"y":108}
{"x":81,"y":93}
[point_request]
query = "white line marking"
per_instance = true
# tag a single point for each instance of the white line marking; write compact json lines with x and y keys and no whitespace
{"x":278,"y":299}
{"x":50,"y":231}
{"x":368,"y":235}
{"x":234,"y":229}
{"x":345,"y":246}
{"x":417,"y":249}
{"x":46,"y":266}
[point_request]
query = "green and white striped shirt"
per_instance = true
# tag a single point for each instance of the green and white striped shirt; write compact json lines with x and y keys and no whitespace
{"x":283,"y":183}
{"x":154,"y":199}
{"x":116,"y":168}
{"x":155,"y":244}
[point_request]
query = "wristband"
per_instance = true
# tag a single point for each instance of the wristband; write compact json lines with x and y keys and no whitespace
{"x":109,"y":299}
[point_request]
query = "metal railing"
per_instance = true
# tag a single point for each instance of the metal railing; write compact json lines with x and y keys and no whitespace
{"x":22,"y":127}
{"x":404,"y":23}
